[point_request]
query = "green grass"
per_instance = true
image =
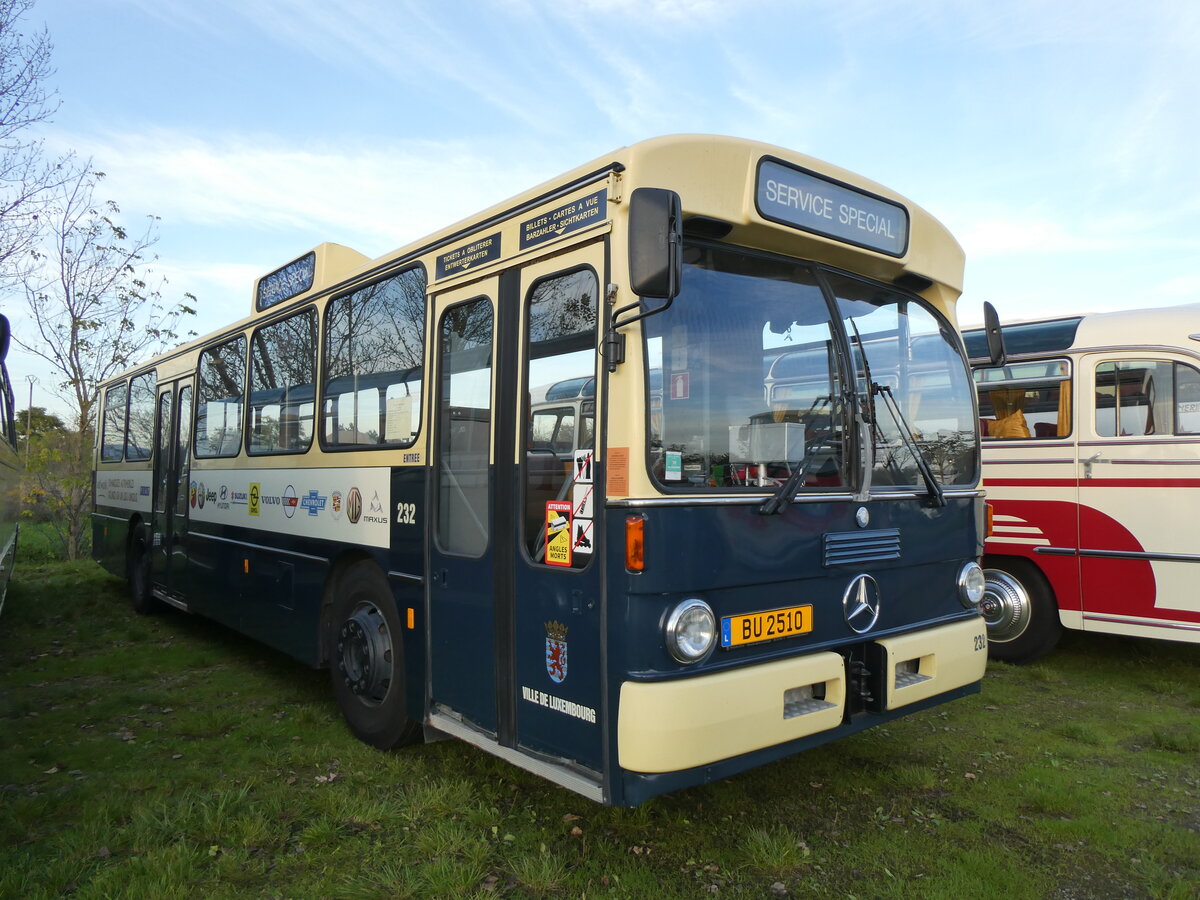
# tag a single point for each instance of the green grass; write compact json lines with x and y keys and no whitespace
{"x":168,"y":757}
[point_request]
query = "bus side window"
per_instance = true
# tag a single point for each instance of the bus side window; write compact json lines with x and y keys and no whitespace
{"x":1025,"y":401}
{"x":1187,"y":400}
{"x":283,"y":372}
{"x":139,"y":436}
{"x":1135,"y":397}
{"x":218,"y":430}
{"x":374,"y":353}
{"x":112,"y":440}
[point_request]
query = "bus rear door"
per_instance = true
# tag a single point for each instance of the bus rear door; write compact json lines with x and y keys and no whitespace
{"x":172,"y":468}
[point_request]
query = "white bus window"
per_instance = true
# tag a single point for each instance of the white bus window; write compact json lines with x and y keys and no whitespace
{"x":374,"y":353}
{"x":112,"y":441}
{"x":1187,"y":400}
{"x":218,"y":430}
{"x":1135,"y":397}
{"x":283,"y":373}
{"x":553,"y":429}
{"x":1025,"y":401}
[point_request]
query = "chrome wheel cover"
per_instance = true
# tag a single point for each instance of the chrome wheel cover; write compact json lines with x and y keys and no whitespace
{"x":1006,"y":606}
{"x":364,"y":653}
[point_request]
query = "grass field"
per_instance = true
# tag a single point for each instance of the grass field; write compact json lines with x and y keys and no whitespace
{"x":168,"y":757}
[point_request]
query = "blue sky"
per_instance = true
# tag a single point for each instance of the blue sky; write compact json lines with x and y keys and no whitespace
{"x":1057,"y":140}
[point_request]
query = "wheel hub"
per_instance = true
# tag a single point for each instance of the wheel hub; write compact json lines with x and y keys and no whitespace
{"x":364,"y":650}
{"x":1005,"y":606}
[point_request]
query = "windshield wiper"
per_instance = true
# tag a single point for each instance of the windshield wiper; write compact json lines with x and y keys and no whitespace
{"x":786,"y":491}
{"x":937,"y":496}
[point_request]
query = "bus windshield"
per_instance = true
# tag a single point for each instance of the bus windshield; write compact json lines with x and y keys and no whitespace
{"x":746,"y":383}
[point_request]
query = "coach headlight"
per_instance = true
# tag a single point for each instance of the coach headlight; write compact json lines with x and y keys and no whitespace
{"x":691,"y":631}
{"x":971,"y":585}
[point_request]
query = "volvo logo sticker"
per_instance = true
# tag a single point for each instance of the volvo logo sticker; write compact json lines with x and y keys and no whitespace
{"x":860,"y":604}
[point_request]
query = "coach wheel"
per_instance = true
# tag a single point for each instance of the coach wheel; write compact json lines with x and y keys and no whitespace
{"x":367,"y":659}
{"x":1021,"y":615}
{"x":137,"y":567}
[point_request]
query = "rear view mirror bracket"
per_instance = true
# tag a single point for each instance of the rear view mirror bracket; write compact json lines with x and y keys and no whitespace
{"x":655,"y":263}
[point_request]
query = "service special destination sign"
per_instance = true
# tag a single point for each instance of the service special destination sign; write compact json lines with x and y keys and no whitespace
{"x":804,"y":200}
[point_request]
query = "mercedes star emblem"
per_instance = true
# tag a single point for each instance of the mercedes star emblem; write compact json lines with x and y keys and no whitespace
{"x":860,"y":604}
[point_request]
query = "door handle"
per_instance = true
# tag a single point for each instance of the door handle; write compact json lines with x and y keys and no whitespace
{"x":1088,"y":463}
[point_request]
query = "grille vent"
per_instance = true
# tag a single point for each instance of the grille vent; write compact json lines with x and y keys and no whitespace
{"x":850,"y":548}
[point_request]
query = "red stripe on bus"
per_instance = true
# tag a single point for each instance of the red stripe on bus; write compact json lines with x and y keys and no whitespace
{"x":1094,"y":482}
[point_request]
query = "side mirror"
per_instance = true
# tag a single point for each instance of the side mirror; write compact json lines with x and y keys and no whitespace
{"x":5,"y":336}
{"x":655,"y":243}
{"x":995,"y":339}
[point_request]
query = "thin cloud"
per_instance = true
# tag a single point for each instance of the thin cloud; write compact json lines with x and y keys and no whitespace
{"x":381,"y":197}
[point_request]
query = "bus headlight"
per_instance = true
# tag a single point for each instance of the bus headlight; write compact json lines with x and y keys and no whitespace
{"x":691,"y":631}
{"x":971,"y":584}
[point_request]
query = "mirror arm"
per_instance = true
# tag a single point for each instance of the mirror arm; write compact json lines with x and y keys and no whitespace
{"x":613,"y":349}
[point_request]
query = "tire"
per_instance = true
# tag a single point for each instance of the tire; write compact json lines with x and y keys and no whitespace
{"x":137,"y":571}
{"x":1020,"y":611}
{"x":366,"y":659}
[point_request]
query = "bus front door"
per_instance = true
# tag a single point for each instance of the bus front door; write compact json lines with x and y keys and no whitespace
{"x":515,"y":655}
{"x":172,"y":468}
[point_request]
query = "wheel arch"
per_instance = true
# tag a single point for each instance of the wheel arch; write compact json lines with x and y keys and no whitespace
{"x":338,"y":568}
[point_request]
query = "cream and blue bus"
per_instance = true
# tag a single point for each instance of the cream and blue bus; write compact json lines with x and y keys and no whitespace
{"x":534,"y":482}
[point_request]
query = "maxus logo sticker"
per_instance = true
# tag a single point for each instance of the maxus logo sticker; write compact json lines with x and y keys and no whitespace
{"x":354,"y":505}
{"x":289,"y":501}
{"x":556,"y":651}
{"x":375,"y":511}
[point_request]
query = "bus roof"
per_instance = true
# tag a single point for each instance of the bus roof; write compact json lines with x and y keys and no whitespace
{"x":931,"y":263}
{"x":1163,"y":326}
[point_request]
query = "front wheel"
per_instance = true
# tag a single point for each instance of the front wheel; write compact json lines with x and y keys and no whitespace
{"x":366,"y":662}
{"x":1019,"y":609}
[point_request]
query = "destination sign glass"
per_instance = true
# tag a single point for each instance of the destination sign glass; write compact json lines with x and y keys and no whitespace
{"x":803,"y":200}
{"x":286,"y":282}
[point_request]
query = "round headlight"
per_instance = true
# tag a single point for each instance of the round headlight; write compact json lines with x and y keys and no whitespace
{"x":971,"y":584}
{"x":691,"y":631}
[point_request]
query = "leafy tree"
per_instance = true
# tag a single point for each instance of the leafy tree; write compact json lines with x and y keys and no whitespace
{"x":95,"y":311}
{"x":36,"y":422}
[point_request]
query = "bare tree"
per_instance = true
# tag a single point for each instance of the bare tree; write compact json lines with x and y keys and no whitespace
{"x":26,"y":177}
{"x":94,"y":312}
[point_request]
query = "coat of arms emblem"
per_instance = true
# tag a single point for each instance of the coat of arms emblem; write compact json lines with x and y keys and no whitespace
{"x":556,"y":651}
